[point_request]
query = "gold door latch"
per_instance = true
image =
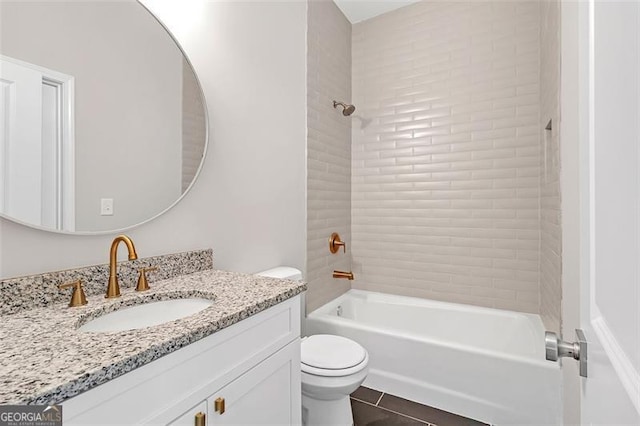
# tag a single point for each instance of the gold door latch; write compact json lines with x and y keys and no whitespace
{"x":201,"y":419}
{"x":218,"y":405}
{"x":335,"y":243}
{"x":78,"y":297}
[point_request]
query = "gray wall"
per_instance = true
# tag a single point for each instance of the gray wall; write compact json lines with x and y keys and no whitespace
{"x":249,"y":202}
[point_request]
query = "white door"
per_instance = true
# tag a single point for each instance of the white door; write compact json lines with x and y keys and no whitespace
{"x":20,"y":142}
{"x":36,"y":145}
{"x":610,"y":211}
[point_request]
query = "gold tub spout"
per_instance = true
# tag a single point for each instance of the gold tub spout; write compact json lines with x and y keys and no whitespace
{"x":113,"y":289}
{"x":343,"y":274}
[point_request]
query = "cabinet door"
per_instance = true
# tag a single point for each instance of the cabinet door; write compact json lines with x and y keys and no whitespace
{"x":268,"y":394}
{"x":189,"y":417}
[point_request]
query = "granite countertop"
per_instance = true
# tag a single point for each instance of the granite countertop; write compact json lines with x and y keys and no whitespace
{"x":44,"y":359}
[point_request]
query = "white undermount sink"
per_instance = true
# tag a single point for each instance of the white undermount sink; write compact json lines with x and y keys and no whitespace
{"x":146,"y":315}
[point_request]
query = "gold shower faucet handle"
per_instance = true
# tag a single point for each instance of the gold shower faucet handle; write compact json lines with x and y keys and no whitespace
{"x":335,"y":243}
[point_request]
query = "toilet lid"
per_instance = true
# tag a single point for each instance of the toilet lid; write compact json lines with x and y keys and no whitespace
{"x":330,"y":352}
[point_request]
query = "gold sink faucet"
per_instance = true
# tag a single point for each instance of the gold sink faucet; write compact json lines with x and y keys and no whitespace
{"x":113,"y":289}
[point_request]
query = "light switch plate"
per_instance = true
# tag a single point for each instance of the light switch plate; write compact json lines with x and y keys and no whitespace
{"x":106,"y":207}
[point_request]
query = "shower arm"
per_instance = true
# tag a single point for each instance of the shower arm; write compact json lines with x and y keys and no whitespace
{"x":347,"y":109}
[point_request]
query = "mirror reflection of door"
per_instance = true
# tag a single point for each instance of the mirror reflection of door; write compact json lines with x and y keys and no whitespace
{"x":140,"y":122}
{"x":36,"y":145}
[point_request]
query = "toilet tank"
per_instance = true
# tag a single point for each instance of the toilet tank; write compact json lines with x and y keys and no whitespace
{"x":289,"y":273}
{"x":282,"y":272}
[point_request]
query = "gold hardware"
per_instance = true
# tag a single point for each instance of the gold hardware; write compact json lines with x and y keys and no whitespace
{"x":113,"y":289}
{"x":78,"y":297}
{"x":218,"y":405}
{"x":201,"y":419}
{"x":347,"y":109}
{"x":143,"y":284}
{"x":343,"y":274}
{"x":335,"y":243}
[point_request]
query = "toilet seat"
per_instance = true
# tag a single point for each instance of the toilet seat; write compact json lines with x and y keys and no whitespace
{"x":332,"y":356}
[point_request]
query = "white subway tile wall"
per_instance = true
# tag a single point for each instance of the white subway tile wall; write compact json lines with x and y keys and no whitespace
{"x":328,"y":149}
{"x":445,"y":153}
{"x":550,"y":200}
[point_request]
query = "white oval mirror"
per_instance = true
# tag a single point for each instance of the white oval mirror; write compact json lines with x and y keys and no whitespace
{"x":103,"y":123}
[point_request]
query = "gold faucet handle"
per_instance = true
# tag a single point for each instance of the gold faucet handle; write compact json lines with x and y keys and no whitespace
{"x":143,"y":284}
{"x":78,"y":298}
{"x":335,"y":243}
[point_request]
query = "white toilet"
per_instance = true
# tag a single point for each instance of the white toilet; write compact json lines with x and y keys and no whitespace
{"x":332,"y":367}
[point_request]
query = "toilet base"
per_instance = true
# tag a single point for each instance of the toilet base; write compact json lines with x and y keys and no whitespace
{"x":317,"y":412}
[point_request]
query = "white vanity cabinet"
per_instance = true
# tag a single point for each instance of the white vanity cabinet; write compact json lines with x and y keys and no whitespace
{"x":253,"y":366}
{"x":263,"y":395}
{"x":189,"y":418}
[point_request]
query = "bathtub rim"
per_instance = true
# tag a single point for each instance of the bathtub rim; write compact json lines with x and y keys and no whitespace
{"x":324,"y":313}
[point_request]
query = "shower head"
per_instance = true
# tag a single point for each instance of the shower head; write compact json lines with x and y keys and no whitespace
{"x":347,"y":109}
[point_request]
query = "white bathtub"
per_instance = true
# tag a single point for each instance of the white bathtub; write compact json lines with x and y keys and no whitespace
{"x":486,"y":364}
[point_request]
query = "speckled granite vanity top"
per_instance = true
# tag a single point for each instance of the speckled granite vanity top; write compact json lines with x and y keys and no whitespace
{"x":44,"y":359}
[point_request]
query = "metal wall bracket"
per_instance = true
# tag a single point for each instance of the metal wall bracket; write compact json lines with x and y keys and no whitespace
{"x":555,"y":348}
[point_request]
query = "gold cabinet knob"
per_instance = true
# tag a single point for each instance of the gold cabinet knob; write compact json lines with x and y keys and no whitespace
{"x":143,"y":284}
{"x":78,"y":298}
{"x":201,"y":419}
{"x":335,"y":243}
{"x":218,"y":405}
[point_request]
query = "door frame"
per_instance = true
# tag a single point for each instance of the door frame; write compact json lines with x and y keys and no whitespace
{"x":572,"y":174}
{"x":65,"y":84}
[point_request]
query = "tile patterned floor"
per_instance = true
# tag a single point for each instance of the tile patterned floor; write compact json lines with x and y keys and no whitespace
{"x":374,"y":408}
